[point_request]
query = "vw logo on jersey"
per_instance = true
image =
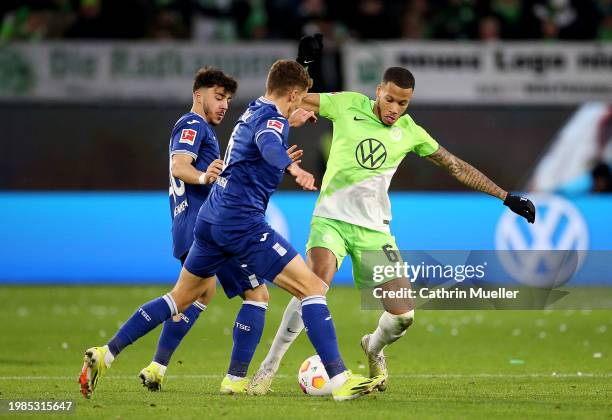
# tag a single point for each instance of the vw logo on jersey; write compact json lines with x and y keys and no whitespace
{"x":559,"y":226}
{"x":276,"y":219}
{"x":370,"y":154}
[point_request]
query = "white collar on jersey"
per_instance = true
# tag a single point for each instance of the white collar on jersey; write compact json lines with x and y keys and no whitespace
{"x":269,"y":102}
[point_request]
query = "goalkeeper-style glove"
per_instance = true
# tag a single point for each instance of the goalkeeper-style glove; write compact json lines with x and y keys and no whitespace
{"x":309,"y":49}
{"x":521,"y":206}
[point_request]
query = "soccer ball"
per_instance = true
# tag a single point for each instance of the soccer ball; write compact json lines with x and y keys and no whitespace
{"x":313,"y":378}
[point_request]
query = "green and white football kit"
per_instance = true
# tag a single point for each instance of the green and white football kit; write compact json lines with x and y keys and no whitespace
{"x":353,"y":211}
{"x":352,"y":217}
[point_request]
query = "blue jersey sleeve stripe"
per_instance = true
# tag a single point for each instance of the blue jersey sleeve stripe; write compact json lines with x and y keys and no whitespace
{"x":268,"y":131}
{"x":184,"y":152}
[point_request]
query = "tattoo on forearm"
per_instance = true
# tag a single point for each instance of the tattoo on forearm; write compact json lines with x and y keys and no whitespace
{"x":465,"y":173}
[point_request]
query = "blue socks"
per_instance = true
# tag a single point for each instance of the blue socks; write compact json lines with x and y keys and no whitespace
{"x":322,"y":334}
{"x":248,"y":328}
{"x":147,"y":317}
{"x":173,"y":333}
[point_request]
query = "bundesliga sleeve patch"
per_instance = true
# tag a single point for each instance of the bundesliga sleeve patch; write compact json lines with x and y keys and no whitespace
{"x":188,"y":136}
{"x":275,"y":125}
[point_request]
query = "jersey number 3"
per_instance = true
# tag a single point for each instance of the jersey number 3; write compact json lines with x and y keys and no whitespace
{"x":177,"y":189}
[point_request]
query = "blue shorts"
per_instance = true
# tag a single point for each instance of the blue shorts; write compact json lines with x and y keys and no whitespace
{"x":234,"y":277}
{"x":259,"y":249}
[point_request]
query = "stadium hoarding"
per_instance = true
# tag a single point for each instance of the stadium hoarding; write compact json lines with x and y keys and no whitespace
{"x":125,"y":237}
{"x":487,"y":73}
{"x":89,"y":71}
{"x":130,"y":138}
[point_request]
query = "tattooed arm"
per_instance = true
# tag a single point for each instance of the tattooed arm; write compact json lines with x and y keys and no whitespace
{"x":475,"y":179}
{"x":466,"y":173}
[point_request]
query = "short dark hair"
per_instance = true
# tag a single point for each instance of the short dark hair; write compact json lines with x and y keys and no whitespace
{"x":400,"y":76}
{"x":285,"y":75}
{"x":208,"y":77}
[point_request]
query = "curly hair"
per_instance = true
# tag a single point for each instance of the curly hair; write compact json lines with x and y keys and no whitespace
{"x":208,"y":77}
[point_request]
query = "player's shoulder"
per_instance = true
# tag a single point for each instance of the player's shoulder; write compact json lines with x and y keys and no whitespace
{"x":408,"y":125}
{"x":264,"y":108}
{"x":269,"y":112}
{"x":194,"y":122}
{"x":269,"y":116}
{"x":192,"y":129}
{"x":191,"y":119}
{"x":347,"y":96}
{"x":406,"y":122}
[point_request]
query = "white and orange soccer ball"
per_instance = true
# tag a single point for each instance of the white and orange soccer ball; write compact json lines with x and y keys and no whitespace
{"x":313,"y":378}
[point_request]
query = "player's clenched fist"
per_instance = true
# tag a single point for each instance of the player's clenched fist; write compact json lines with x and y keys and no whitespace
{"x":521,"y":206}
{"x":304,"y":179}
{"x":213,"y":171}
{"x":300,"y":116}
{"x":309,"y":49}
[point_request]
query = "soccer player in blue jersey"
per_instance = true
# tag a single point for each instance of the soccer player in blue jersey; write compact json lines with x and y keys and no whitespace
{"x":194,"y":166}
{"x":231,"y":224}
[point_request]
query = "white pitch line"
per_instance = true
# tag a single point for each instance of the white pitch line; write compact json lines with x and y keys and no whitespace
{"x":400,"y":376}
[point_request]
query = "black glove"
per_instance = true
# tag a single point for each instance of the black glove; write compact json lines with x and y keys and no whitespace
{"x":309,"y":49}
{"x":521,"y":206}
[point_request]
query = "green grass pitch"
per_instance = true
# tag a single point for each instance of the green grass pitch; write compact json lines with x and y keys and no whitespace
{"x":466,"y":364}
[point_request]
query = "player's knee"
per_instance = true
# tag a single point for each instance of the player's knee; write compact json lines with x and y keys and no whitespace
{"x":188,"y":289}
{"x":313,"y":286}
{"x":183,"y":299}
{"x":258,"y":294}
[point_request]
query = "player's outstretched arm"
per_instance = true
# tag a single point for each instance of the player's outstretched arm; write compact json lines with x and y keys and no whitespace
{"x":466,"y":173}
{"x":183,"y":169}
{"x":473,"y":178}
{"x":311,"y":102}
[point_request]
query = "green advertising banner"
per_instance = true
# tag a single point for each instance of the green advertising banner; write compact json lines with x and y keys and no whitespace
{"x":91,"y":71}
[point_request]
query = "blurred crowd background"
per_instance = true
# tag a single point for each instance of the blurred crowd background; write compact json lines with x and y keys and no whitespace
{"x":230,"y":20}
{"x":122,"y":93}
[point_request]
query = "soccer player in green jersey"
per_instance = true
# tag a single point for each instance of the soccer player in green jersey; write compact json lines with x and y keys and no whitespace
{"x":353,"y":212}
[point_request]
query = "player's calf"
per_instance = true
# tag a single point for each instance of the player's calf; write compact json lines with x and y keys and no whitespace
{"x":144,"y":319}
{"x":390,"y":328}
{"x":247,"y":332}
{"x":398,"y":316}
{"x":305,"y":285}
{"x":173,"y":332}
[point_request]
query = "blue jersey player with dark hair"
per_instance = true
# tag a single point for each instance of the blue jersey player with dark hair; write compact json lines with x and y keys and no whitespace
{"x":194,"y":167}
{"x":231,"y":225}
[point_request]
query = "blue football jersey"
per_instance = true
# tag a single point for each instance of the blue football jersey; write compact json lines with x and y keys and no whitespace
{"x":240,"y":195}
{"x":193,"y":136}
